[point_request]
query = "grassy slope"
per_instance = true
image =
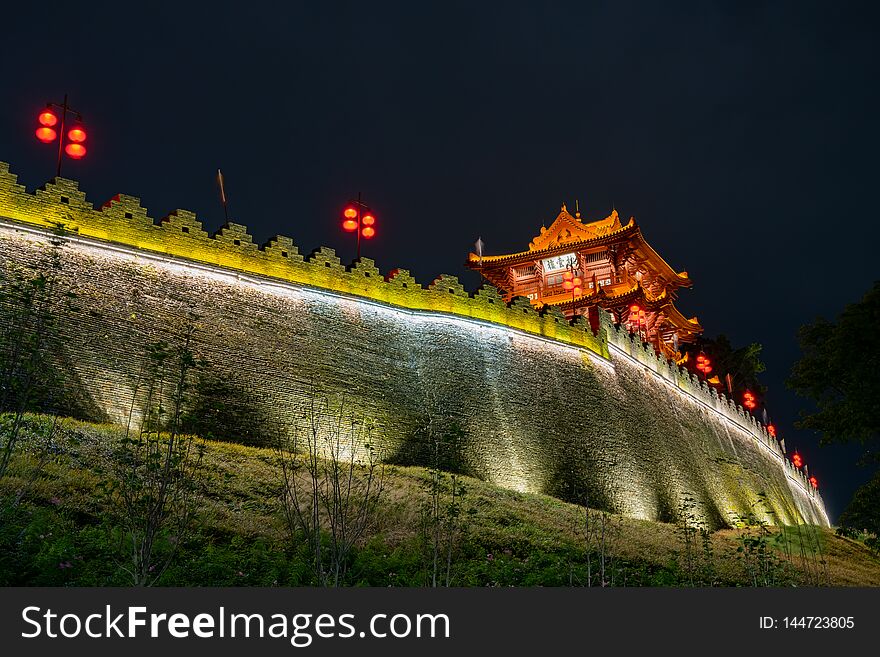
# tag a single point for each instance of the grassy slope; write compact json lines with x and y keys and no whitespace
{"x":514,"y":538}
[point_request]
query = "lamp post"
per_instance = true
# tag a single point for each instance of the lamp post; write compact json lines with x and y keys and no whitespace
{"x":357,"y":217}
{"x":46,"y":133}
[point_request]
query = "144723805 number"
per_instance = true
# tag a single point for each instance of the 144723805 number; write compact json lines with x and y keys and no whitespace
{"x":819,"y":622}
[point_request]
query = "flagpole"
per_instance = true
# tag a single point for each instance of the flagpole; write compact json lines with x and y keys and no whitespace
{"x":223,"y":195}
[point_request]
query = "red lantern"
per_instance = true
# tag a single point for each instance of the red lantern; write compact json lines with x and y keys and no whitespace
{"x":368,"y":232}
{"x":47,"y":118}
{"x":350,"y":225}
{"x":46,"y":135}
{"x":77,"y":134}
{"x":568,"y":285}
{"x":350,"y":213}
{"x":634,"y":309}
{"x":797,"y":460}
{"x":749,"y":400}
{"x":76,"y":151}
{"x":771,"y":430}
{"x":368,"y":220}
{"x":814,"y":482}
{"x":576,"y":290}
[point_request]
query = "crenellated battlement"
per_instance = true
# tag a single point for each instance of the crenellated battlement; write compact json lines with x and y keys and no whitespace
{"x":59,"y":206}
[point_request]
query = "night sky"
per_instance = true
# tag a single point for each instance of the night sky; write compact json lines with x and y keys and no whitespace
{"x":742,"y":136}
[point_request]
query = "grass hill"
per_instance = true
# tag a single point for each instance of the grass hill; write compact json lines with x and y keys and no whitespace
{"x":57,"y":530}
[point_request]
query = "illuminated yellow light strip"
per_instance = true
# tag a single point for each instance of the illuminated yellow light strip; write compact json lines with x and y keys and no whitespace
{"x":257,"y":281}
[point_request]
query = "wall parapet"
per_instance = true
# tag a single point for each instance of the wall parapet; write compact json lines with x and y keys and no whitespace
{"x":61,"y":207}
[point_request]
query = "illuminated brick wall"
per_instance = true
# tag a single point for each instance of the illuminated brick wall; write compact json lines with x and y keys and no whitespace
{"x":545,"y":406}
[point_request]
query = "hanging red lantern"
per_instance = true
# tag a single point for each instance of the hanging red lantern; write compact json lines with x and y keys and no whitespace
{"x":46,"y":135}
{"x":797,"y":460}
{"x":771,"y":430}
{"x":368,"y":232}
{"x":350,"y":225}
{"x":47,"y":118}
{"x":77,"y":134}
{"x":368,"y":220}
{"x":814,"y":482}
{"x":76,"y":151}
{"x":350,"y":213}
{"x":749,"y":400}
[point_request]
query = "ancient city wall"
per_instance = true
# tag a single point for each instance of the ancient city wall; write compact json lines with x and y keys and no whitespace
{"x":544,"y":405}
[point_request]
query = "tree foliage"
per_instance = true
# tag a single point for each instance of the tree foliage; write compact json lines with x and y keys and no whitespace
{"x":743,"y":363}
{"x":840,"y":372}
{"x":862,"y":514}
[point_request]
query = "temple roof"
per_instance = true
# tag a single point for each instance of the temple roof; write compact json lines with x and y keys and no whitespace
{"x":635,"y":293}
{"x":568,"y":232}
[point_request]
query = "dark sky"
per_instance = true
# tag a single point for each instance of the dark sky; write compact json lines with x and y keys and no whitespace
{"x":742,"y":136}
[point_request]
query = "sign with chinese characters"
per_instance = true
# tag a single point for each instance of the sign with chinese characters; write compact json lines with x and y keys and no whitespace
{"x":563,"y":261}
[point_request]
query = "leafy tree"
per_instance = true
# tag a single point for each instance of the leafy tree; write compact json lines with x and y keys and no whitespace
{"x":862,"y":515}
{"x":743,"y":364}
{"x":840,"y":372}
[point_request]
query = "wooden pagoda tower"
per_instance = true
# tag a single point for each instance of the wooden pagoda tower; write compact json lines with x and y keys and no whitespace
{"x":579,"y":266}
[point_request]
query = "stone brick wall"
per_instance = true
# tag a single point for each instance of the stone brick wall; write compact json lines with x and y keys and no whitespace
{"x":544,"y":406}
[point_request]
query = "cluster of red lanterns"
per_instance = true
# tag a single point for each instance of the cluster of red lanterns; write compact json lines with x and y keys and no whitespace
{"x":704,"y":364}
{"x":749,"y":400}
{"x":798,"y":462}
{"x":366,"y":224}
{"x":572,"y":283}
{"x":46,"y":133}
